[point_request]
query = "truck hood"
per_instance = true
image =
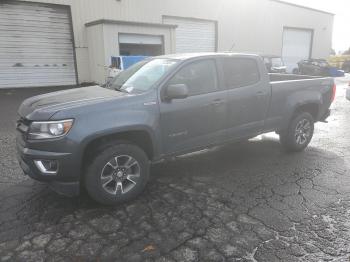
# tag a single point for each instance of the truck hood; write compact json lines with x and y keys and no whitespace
{"x":43,"y":107}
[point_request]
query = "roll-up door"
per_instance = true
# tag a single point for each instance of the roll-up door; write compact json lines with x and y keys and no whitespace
{"x":36,"y":45}
{"x":140,"y":45}
{"x":296,"y":46}
{"x":193,"y":35}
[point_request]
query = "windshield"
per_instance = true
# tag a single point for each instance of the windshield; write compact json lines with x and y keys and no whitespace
{"x":143,"y":75}
{"x":277,"y":62}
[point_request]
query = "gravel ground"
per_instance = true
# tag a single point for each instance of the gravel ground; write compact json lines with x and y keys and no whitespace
{"x":242,"y":202}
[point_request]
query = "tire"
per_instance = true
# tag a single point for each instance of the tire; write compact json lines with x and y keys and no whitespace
{"x":299,"y":133}
{"x":117,"y":174}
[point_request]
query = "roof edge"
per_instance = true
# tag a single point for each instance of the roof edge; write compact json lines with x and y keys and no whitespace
{"x":121,"y":22}
{"x":304,"y":7}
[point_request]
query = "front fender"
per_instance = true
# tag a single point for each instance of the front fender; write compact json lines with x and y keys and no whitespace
{"x":119,"y":130}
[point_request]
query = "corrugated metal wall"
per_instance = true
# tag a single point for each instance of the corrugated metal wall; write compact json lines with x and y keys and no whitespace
{"x":36,"y":47}
{"x":243,"y":25}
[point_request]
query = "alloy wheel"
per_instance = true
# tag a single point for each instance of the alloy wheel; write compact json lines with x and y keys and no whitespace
{"x":303,"y":131}
{"x":120,"y":175}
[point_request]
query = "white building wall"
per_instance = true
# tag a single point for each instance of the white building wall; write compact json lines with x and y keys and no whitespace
{"x":96,"y":53}
{"x":111,"y":33}
{"x":243,"y":25}
{"x":103,"y":43}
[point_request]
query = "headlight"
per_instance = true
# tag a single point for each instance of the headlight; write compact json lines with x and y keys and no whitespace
{"x":50,"y":129}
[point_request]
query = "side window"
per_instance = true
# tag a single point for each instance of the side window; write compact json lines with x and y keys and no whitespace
{"x":239,"y":72}
{"x":200,"y":77}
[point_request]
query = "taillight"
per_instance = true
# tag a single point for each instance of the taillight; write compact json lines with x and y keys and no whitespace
{"x":334,"y":91}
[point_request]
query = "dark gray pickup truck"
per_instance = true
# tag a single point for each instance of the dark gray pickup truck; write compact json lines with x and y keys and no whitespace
{"x":104,"y":139}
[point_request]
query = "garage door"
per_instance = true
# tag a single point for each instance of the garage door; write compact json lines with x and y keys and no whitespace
{"x":140,"y":39}
{"x":296,"y":46}
{"x":36,"y":46}
{"x":193,"y":35}
{"x":140,"y":45}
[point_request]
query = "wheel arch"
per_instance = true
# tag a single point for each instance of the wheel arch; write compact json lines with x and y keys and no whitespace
{"x":139,"y":137}
{"x":313,"y":108}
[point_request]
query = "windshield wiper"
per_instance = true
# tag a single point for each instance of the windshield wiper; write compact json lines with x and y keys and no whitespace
{"x":116,"y":87}
{"x":120,"y":89}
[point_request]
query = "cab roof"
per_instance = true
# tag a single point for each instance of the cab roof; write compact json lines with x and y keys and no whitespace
{"x":187,"y":56}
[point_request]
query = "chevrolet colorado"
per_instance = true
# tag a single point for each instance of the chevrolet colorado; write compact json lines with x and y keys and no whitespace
{"x":104,"y":139}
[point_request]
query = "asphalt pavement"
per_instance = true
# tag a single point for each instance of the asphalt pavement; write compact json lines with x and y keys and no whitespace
{"x":242,"y":202}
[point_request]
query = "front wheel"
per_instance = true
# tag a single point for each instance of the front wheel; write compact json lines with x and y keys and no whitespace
{"x":117,"y":174}
{"x":299,"y":133}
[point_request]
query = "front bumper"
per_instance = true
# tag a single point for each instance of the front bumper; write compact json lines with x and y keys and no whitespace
{"x":66,"y":181}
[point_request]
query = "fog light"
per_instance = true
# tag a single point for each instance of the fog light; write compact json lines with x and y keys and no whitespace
{"x":47,"y":167}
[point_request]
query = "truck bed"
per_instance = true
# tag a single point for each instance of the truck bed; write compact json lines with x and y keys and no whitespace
{"x":287,"y":77}
{"x":287,"y":90}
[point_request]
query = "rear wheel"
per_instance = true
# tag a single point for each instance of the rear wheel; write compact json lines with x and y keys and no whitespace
{"x":299,"y":133}
{"x":117,"y":174}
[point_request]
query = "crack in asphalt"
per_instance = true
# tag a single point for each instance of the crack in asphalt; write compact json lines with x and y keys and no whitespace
{"x":244,"y":202}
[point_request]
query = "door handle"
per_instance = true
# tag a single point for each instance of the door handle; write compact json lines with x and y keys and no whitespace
{"x":260,"y":93}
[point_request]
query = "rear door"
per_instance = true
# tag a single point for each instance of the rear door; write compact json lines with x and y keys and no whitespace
{"x":198,"y":120}
{"x":248,"y":96}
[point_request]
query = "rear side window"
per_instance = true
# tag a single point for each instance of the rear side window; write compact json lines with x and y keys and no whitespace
{"x":240,"y":72}
{"x":200,"y":77}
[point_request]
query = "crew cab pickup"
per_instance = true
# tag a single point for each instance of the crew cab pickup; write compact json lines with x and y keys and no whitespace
{"x":105,"y":139}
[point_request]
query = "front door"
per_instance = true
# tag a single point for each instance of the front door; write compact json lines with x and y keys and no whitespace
{"x":198,"y":120}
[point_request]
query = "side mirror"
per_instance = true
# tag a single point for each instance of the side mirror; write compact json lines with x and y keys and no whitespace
{"x":178,"y":91}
